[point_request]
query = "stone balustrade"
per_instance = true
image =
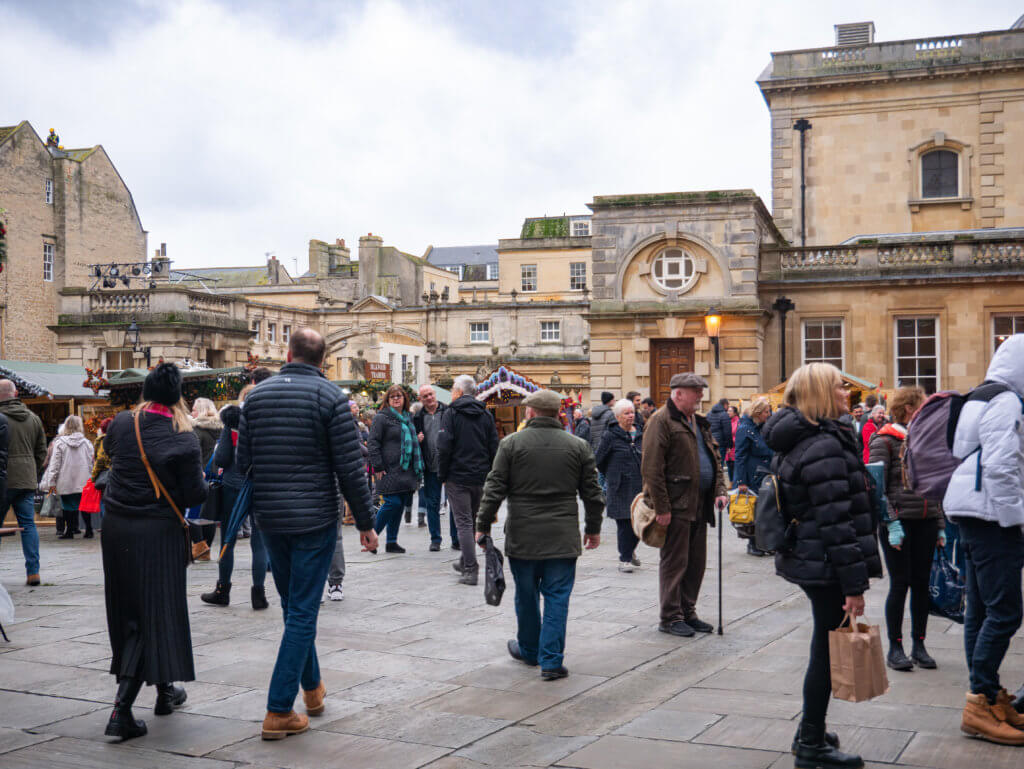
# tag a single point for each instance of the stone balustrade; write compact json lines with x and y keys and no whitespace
{"x":127,"y":303}
{"x":916,"y":253}
{"x":999,"y":252}
{"x":830,"y":257}
{"x":209,"y":303}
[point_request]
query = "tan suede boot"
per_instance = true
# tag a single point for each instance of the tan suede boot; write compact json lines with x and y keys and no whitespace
{"x":315,"y":700}
{"x":1005,"y":706}
{"x":277,"y":726}
{"x":988,"y":722}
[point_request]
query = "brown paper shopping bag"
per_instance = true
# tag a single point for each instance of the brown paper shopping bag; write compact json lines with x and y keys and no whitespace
{"x":858,"y":665}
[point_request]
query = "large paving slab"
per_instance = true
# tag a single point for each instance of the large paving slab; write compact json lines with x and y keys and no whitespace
{"x":418,"y":675}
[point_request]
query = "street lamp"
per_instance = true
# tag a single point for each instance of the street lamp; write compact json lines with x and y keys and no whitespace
{"x":782,"y":306}
{"x":132,"y":338}
{"x":713,"y":325}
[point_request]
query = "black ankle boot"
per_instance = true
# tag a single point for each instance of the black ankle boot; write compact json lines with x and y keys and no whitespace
{"x":122,"y":723}
{"x":831,"y":738}
{"x":168,"y":697}
{"x":221,"y":596}
{"x":920,"y":655}
{"x":813,"y":752}
{"x":258,"y":595}
{"x":897,"y":658}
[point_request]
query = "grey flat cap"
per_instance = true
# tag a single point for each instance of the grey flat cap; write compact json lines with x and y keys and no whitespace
{"x":687,"y":379}
{"x":545,"y":400}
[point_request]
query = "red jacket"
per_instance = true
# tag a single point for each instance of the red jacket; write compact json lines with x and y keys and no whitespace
{"x":870,"y":428}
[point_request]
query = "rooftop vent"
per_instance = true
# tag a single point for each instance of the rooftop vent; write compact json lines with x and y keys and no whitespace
{"x":860,"y":33}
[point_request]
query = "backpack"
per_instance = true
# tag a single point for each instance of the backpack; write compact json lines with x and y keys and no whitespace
{"x":773,"y":529}
{"x":928,"y":459}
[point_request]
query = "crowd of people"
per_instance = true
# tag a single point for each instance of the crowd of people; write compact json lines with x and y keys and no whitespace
{"x":315,"y":460}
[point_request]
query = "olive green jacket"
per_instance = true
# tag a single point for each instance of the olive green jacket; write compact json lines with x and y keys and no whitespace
{"x":540,"y":470}
{"x":27,"y":451}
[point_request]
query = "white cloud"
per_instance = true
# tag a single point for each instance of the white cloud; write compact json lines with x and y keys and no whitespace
{"x":237,"y":136}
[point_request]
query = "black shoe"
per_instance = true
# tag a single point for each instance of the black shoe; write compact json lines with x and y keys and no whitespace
{"x":553,"y":675}
{"x":122,"y":723}
{"x":435,"y":547}
{"x":422,"y":522}
{"x":678,"y":628}
{"x":752,"y":549}
{"x":516,"y":654}
{"x":458,"y":567}
{"x":813,"y":752}
{"x":470,"y":576}
{"x":258,"y":596}
{"x":920,"y":656}
{"x":456,"y":545}
{"x":88,"y":534}
{"x":67,"y":535}
{"x":394,"y":547}
{"x":221,"y":595}
{"x":897,"y":659}
{"x":699,"y":625}
{"x":408,"y":515}
{"x":168,"y":697}
{"x":831,"y":738}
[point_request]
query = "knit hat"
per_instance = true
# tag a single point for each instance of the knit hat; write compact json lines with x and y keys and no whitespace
{"x":607,"y":397}
{"x":163,"y":385}
{"x":231,"y":416}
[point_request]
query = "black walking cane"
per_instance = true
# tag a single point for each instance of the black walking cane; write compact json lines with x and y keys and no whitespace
{"x":720,"y":508}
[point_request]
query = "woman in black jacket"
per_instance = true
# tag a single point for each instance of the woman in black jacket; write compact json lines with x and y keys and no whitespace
{"x":753,"y":457}
{"x":834,"y":551}
{"x":618,"y":459}
{"x":145,"y":548}
{"x":909,"y":539}
{"x":395,"y":451}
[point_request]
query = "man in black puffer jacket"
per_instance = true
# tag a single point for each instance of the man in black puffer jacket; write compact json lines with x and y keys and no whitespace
{"x":298,"y":438}
{"x":466,"y":445}
{"x":721,"y":427}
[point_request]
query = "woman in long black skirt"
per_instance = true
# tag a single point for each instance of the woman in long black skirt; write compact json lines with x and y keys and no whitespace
{"x":145,"y":548}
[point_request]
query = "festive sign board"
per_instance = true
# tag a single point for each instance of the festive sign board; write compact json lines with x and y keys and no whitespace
{"x":378,"y":372}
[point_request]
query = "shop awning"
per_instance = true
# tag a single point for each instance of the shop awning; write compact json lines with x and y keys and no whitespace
{"x":46,"y":380}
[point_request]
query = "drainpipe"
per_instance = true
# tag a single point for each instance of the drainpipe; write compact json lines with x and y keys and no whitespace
{"x":782,"y":306}
{"x":803,"y":125}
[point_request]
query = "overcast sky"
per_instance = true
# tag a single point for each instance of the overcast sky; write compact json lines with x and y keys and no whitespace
{"x":248,"y":126}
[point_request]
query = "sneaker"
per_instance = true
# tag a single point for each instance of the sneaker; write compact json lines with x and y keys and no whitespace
{"x":555,"y":673}
{"x":635,"y":561}
{"x":394,"y":547}
{"x":626,"y":567}
{"x":678,"y":628}
{"x":335,"y":593}
{"x":435,"y":547}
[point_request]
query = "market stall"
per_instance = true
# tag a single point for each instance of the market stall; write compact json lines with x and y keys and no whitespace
{"x":55,"y":391}
{"x":503,"y":393}
{"x":859,"y":390}
{"x":221,"y":385}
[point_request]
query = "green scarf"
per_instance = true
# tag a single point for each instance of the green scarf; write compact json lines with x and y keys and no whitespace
{"x":410,"y":443}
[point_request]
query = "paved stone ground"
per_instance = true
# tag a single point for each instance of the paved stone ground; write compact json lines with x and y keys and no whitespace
{"x":417,"y":675}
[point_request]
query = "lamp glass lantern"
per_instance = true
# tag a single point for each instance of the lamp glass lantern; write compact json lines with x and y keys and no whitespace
{"x":713,"y":326}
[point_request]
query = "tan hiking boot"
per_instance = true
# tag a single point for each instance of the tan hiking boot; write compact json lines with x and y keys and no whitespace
{"x":315,"y":700}
{"x":988,"y":722}
{"x":277,"y":726}
{"x":200,"y":551}
{"x":32,"y":580}
{"x":1005,"y":706}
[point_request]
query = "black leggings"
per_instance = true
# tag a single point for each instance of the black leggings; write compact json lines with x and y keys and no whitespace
{"x":909,"y":569}
{"x":827,"y":610}
{"x":628,"y":539}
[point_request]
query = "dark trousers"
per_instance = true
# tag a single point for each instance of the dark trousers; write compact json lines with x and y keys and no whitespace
{"x":627,"y":539}
{"x":464,"y":502}
{"x":390,"y":514}
{"x":994,"y":557}
{"x":827,"y":610}
{"x":909,"y":570}
{"x":681,"y":570}
{"x":539,"y":639}
{"x":69,"y":507}
{"x":430,"y":500}
{"x":226,"y":565}
{"x":299,"y":563}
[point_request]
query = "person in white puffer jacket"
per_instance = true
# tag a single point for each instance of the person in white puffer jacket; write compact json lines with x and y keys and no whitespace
{"x":985,"y":499}
{"x":69,"y":469}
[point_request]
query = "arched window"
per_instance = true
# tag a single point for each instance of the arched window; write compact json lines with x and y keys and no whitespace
{"x":940,"y":174}
{"x":673,"y":270}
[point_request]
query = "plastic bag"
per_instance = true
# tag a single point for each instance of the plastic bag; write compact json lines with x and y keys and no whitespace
{"x":6,"y":607}
{"x":947,"y":588}
{"x":51,"y":507}
{"x":494,"y":574}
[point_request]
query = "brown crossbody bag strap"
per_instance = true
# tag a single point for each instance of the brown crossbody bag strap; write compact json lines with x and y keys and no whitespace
{"x":158,"y":487}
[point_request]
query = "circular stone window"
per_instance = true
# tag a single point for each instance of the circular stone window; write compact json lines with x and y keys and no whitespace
{"x":673,"y":270}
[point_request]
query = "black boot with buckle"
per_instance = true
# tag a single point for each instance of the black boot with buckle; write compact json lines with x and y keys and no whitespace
{"x":221,"y":596}
{"x":168,"y":697}
{"x":122,"y":723}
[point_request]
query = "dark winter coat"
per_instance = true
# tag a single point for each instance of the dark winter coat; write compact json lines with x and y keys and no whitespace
{"x":175,"y":458}
{"x":224,"y":458}
{"x":753,"y":456}
{"x":26,"y":452}
{"x":467,"y":442}
{"x":208,"y":431}
{"x":618,"y":459}
{"x":600,"y":417}
{"x":583,"y":429}
{"x":824,"y":487}
{"x":721,"y":426}
{"x":385,"y":445}
{"x":5,"y":438}
{"x":541,"y":470}
{"x":886,"y":445}
{"x":298,"y":437}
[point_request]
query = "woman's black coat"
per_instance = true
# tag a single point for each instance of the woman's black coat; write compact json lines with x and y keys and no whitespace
{"x":618,"y":458}
{"x":385,"y":446}
{"x":753,"y":457}
{"x":824,"y":486}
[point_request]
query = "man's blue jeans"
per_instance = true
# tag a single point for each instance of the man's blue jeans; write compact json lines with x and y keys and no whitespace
{"x":430,"y":496}
{"x":994,"y":557}
{"x":299,"y":563}
{"x":543,"y":641}
{"x":22,"y":501}
{"x":390,"y":514}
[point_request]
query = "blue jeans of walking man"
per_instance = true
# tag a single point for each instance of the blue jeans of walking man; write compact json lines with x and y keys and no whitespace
{"x":430,"y":496}
{"x":389,"y":515}
{"x":994,"y":557}
{"x":542,"y":640}
{"x":299,"y":563}
{"x":23,"y":502}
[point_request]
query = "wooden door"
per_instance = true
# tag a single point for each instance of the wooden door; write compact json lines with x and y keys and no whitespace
{"x":668,"y":357}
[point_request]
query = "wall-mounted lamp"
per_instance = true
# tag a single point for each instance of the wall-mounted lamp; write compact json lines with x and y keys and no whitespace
{"x":713,"y":325}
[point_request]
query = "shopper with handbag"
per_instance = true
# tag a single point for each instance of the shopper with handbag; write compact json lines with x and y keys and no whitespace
{"x":207,"y":427}
{"x":69,"y":468}
{"x":156,"y":472}
{"x":618,"y":459}
{"x":752,"y":457}
{"x":832,"y":551}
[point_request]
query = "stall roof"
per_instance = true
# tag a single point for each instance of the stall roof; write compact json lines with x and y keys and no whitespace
{"x":134,"y":376}
{"x":41,"y":380}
